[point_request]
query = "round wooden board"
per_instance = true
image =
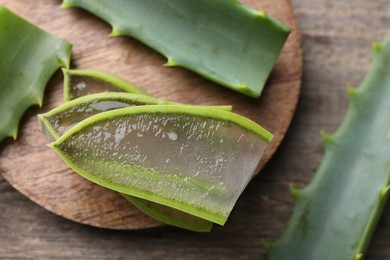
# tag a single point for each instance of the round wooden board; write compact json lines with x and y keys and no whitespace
{"x":37,"y":172}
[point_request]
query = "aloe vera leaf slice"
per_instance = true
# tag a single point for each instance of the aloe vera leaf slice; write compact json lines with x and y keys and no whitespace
{"x":336,"y":214}
{"x":224,"y":41}
{"x":194,"y":159}
{"x":28,"y":58}
{"x":59,"y":120}
{"x":170,"y":215}
{"x":78,"y":83}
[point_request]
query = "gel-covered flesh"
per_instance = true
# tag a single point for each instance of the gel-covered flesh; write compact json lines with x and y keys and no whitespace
{"x":78,"y":83}
{"x":196,"y":164}
{"x":61,"y":119}
{"x":82,"y":86}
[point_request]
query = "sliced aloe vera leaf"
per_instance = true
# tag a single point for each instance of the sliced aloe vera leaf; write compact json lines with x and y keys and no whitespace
{"x":78,"y":83}
{"x":193,"y":159}
{"x":28,"y":58}
{"x":59,"y":120}
{"x":170,"y":215}
{"x":224,"y":41}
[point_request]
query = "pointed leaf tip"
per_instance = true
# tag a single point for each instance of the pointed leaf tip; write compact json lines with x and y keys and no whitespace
{"x":376,"y":46}
{"x":261,"y":13}
{"x":14,"y":133}
{"x":66,"y":4}
{"x":295,"y":192}
{"x":267,"y":245}
{"x":171,"y":63}
{"x":116,"y":32}
{"x":351,"y":91}
{"x":384,"y":192}
{"x":326,"y":138}
{"x":40,"y":102}
{"x":242,"y":86}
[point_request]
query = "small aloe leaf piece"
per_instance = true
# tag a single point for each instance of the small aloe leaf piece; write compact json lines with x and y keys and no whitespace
{"x":78,"y":83}
{"x":170,"y":215}
{"x":224,"y":41}
{"x":28,"y":58}
{"x":336,"y":214}
{"x":59,"y":120}
{"x":193,"y":159}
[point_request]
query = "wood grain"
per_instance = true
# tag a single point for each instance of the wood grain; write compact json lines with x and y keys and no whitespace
{"x":37,"y":172}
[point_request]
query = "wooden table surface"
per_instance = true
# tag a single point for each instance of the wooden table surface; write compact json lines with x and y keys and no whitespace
{"x":336,"y":38}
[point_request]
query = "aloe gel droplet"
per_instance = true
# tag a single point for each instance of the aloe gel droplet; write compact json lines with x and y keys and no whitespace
{"x":193,"y":159}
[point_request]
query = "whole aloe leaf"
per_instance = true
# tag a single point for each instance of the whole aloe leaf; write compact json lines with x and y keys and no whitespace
{"x":335,"y":216}
{"x":28,"y":58}
{"x":222,"y":40}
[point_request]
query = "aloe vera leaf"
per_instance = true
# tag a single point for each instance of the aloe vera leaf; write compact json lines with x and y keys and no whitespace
{"x":170,"y":216}
{"x":336,"y":214}
{"x":28,"y":58}
{"x":193,"y":159}
{"x":59,"y":120}
{"x":224,"y":41}
{"x":78,"y":83}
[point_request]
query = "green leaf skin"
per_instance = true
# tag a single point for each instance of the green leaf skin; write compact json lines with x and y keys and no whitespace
{"x":170,"y":215}
{"x":28,"y":58}
{"x":78,"y":83}
{"x":224,"y":41}
{"x":336,"y":214}
{"x":193,"y":159}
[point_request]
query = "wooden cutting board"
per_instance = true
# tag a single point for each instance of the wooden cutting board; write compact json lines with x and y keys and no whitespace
{"x":37,"y":172}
